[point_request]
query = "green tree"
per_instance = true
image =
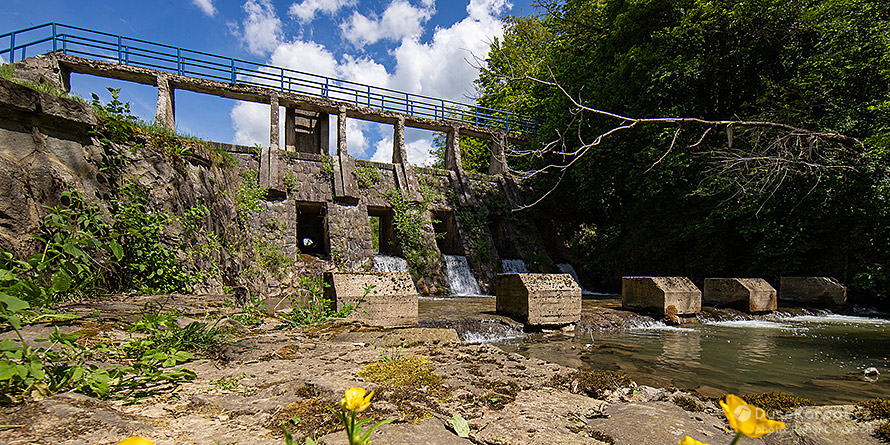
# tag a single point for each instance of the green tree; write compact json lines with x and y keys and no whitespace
{"x":679,"y":198}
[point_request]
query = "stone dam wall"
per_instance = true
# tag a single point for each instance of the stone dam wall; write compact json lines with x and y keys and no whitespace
{"x":314,"y":209}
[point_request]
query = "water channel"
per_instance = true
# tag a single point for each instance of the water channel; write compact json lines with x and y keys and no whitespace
{"x":820,"y":356}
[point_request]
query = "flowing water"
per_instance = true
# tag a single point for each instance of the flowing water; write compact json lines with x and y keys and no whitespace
{"x":568,"y":269}
{"x":460,"y":277}
{"x":819,"y":357}
{"x":513,"y":266}
{"x":386,"y":263}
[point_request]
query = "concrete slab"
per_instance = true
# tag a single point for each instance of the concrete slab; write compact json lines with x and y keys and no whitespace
{"x":661,"y":295}
{"x":746,"y":294}
{"x":391,"y":302}
{"x":812,"y":291}
{"x":539,"y":299}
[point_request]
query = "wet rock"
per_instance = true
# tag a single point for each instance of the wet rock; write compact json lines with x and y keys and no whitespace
{"x":658,"y":423}
{"x":430,"y":432}
{"x":824,"y":425}
{"x":540,"y":416}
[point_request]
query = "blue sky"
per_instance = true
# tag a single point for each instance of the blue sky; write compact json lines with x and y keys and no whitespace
{"x":419,"y":46}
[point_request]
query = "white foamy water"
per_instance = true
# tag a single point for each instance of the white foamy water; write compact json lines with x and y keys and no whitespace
{"x":390,"y":264}
{"x":750,"y":324}
{"x":460,"y":277}
{"x":838,"y":319}
{"x":513,"y":266}
{"x":659,"y":326}
{"x":487,"y":337}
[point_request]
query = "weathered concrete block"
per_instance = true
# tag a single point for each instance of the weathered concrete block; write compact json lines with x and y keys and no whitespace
{"x":391,"y":303}
{"x":661,"y":295}
{"x":812,"y":291}
{"x":747,"y":294}
{"x":539,"y":299}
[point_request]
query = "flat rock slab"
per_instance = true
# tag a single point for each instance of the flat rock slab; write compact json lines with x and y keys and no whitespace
{"x":659,"y":423}
{"x":430,"y":432}
{"x":746,"y":294}
{"x":540,"y":417}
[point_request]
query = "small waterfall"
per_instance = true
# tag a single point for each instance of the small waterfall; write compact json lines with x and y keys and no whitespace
{"x":567,"y":268}
{"x":389,"y":264}
{"x":513,"y":266}
{"x":460,"y":277}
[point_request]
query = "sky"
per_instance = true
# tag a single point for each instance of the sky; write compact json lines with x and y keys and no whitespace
{"x":429,"y":47}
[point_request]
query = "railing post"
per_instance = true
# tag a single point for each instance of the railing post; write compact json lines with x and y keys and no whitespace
{"x":407,"y":104}
{"x":120,"y":57}
{"x":65,"y":44}
{"x":369,"y":97}
{"x":12,"y":48}
{"x":507,"y":123}
{"x":282,"y":79}
{"x":54,"y":37}
{"x":233,"y":70}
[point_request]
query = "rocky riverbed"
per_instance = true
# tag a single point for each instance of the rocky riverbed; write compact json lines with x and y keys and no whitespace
{"x":266,"y":376}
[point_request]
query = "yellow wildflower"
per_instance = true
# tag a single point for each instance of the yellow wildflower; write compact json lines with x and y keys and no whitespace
{"x":355,"y":400}
{"x":690,"y":441}
{"x":748,"y":419}
{"x":135,"y":440}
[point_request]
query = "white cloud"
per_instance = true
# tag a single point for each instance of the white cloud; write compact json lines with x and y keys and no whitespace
{"x":306,"y":10}
{"x":251,"y":121}
{"x":206,"y":6}
{"x":418,"y":151}
{"x":442,"y":66}
{"x":400,"y":20}
{"x":261,"y":28}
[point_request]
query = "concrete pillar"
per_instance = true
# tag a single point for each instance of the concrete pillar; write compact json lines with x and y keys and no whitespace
{"x":539,"y":299}
{"x":341,"y":132}
{"x":290,"y":130}
{"x":399,"y":155}
{"x":165,"y":112}
{"x":324,"y":130}
{"x":498,"y":164}
{"x":268,"y":155}
{"x":452,"y":150}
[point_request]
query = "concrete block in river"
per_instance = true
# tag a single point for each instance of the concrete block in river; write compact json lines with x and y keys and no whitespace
{"x":661,"y":295}
{"x":539,"y":299}
{"x":392,"y":302}
{"x":812,"y":291}
{"x":747,"y":294}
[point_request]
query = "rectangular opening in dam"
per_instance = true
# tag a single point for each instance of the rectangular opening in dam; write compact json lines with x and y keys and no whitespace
{"x":446,"y":233}
{"x":219,"y":119}
{"x":142,"y":98}
{"x":312,"y":234}
{"x":383,"y":236}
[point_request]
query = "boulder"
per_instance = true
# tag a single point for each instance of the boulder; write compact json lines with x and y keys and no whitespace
{"x":812,"y":291}
{"x":746,"y":294}
{"x":383,"y":299}
{"x":669,"y":296}
{"x":539,"y":299}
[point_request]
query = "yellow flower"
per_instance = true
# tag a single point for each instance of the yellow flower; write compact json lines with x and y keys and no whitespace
{"x":748,"y":419}
{"x":690,"y":441}
{"x":135,"y":440}
{"x":355,"y":400}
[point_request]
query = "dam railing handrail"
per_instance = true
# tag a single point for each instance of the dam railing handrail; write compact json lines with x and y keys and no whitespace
{"x":103,"y":46}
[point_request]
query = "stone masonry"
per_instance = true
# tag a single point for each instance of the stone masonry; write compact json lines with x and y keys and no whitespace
{"x":747,"y":294}
{"x":669,"y":296}
{"x":812,"y":291}
{"x":391,"y":300}
{"x":539,"y":299}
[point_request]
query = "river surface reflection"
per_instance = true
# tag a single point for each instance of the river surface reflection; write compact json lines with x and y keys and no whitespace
{"x":818,"y":357}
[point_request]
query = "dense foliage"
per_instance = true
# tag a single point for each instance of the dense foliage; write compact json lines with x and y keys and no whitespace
{"x":640,"y":208}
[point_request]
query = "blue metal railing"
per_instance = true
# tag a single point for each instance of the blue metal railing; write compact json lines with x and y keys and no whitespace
{"x":122,"y":50}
